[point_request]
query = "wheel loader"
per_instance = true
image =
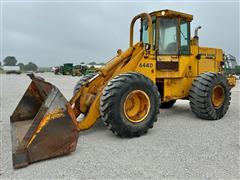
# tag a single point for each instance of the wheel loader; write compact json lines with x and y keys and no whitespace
{"x":126,"y":94}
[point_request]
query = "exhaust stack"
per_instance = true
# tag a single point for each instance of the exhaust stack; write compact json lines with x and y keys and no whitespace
{"x":196,"y":38}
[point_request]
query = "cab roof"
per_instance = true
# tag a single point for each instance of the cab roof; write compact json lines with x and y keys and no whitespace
{"x":171,"y":13}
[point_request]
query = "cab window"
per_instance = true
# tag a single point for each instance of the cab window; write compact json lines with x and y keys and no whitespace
{"x":168,"y":36}
{"x":144,"y":31}
{"x":184,"y":37}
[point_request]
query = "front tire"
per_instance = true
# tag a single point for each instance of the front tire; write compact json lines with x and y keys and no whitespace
{"x":129,"y":104}
{"x":210,"y":96}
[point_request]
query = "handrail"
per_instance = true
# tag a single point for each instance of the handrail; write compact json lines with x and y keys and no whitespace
{"x":142,"y":15}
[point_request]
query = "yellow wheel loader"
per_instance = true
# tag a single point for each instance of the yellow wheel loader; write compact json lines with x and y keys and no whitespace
{"x":164,"y":66}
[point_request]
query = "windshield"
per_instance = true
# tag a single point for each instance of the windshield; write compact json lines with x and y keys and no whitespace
{"x":168,"y":36}
{"x":144,"y":31}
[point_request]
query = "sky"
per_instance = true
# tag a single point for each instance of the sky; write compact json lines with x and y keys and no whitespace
{"x":50,"y":33}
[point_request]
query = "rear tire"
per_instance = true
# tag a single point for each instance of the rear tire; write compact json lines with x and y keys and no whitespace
{"x":210,"y":96}
{"x":168,"y":104}
{"x":122,"y":96}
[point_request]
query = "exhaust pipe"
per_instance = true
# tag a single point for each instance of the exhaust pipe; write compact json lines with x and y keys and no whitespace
{"x":196,"y":38}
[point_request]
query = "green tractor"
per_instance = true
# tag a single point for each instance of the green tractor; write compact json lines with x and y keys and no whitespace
{"x":79,"y":70}
{"x":66,"y":69}
{"x":230,"y":65}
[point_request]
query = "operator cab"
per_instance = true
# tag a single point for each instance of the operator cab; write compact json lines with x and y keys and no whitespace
{"x":170,"y":36}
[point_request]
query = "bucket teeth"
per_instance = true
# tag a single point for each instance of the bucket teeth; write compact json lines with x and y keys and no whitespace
{"x":43,"y":125}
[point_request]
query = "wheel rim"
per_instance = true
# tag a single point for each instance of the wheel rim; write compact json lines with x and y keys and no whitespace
{"x":218,"y":96}
{"x":136,"y":106}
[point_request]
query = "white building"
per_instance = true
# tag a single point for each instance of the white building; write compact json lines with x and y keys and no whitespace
{"x":12,"y":69}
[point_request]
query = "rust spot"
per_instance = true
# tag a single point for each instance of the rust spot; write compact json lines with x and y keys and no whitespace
{"x":72,"y":114}
{"x":58,"y":113}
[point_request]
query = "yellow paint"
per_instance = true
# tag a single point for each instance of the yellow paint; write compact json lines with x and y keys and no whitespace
{"x":218,"y":96}
{"x":176,"y":88}
{"x":147,"y":67}
{"x":232,"y":80}
{"x":136,"y":106}
{"x":171,"y":13}
{"x":92,"y":115}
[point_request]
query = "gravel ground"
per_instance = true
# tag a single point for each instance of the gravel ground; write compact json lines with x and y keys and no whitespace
{"x":179,"y":146}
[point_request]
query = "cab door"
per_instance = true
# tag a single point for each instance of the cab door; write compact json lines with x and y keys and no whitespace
{"x":173,"y":43}
{"x":174,"y":66}
{"x":167,"y":43}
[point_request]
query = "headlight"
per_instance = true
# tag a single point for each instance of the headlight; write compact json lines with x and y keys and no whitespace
{"x":163,"y":13}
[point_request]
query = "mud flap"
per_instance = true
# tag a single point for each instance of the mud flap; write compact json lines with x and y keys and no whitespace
{"x":43,"y":125}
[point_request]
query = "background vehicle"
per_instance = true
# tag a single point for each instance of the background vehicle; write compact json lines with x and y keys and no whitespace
{"x":79,"y":70}
{"x":66,"y":69}
{"x":11,"y":69}
{"x":230,"y":65}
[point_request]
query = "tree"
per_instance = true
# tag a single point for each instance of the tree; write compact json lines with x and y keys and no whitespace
{"x":10,"y":61}
{"x":30,"y":67}
{"x":82,"y":62}
{"x":92,"y":63}
{"x":21,"y":65}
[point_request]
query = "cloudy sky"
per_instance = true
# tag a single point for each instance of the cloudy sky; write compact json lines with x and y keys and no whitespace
{"x":51,"y":33}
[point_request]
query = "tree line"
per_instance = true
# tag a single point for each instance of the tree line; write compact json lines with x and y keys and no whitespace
{"x":12,"y":61}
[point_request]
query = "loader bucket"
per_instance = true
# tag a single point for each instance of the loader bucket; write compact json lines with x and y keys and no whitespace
{"x":43,"y":125}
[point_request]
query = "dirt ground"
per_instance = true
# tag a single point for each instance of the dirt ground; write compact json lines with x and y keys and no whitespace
{"x":179,"y":146}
